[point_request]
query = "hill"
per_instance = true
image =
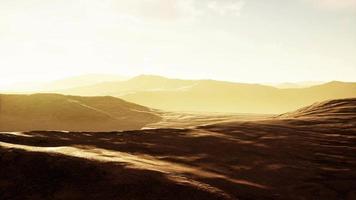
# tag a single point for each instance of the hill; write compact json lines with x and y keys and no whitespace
{"x":71,"y":113}
{"x":215,"y":96}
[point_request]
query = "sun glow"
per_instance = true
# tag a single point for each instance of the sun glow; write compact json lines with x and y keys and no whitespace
{"x":242,"y":41}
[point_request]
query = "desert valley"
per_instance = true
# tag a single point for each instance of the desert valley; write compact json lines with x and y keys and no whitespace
{"x":177,"y":100}
{"x":57,"y":146}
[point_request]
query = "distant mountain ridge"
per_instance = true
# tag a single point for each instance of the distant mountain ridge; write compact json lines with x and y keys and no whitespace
{"x":303,"y":84}
{"x":62,"y":84}
{"x":214,"y":96}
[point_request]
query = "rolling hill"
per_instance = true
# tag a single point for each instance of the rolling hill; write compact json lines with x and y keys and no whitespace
{"x":305,"y":154}
{"x":71,"y":113}
{"x":215,"y":96}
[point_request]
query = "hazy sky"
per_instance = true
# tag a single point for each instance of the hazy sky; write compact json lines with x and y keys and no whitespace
{"x":237,"y":40}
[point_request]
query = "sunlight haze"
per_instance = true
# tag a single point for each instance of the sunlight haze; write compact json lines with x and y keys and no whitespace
{"x":237,"y":40}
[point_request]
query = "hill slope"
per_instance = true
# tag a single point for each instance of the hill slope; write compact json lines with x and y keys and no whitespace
{"x":71,"y":113}
{"x":215,"y":96}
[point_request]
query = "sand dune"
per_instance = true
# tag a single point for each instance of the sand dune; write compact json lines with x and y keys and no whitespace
{"x":307,"y":154}
{"x":215,"y":96}
{"x":71,"y":113}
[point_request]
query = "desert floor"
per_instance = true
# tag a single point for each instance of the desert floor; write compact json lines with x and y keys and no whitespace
{"x":308,"y":154}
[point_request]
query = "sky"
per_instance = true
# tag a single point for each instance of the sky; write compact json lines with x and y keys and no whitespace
{"x":254,"y":41}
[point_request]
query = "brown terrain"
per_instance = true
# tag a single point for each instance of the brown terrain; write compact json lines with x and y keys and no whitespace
{"x":307,"y":154}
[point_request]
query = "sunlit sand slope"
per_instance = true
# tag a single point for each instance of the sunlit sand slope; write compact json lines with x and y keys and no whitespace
{"x":307,"y":154}
{"x":71,"y":113}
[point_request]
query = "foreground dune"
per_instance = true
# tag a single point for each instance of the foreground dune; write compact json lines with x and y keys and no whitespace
{"x":307,"y":154}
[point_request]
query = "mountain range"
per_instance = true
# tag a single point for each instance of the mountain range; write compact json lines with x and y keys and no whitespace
{"x":214,"y":96}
